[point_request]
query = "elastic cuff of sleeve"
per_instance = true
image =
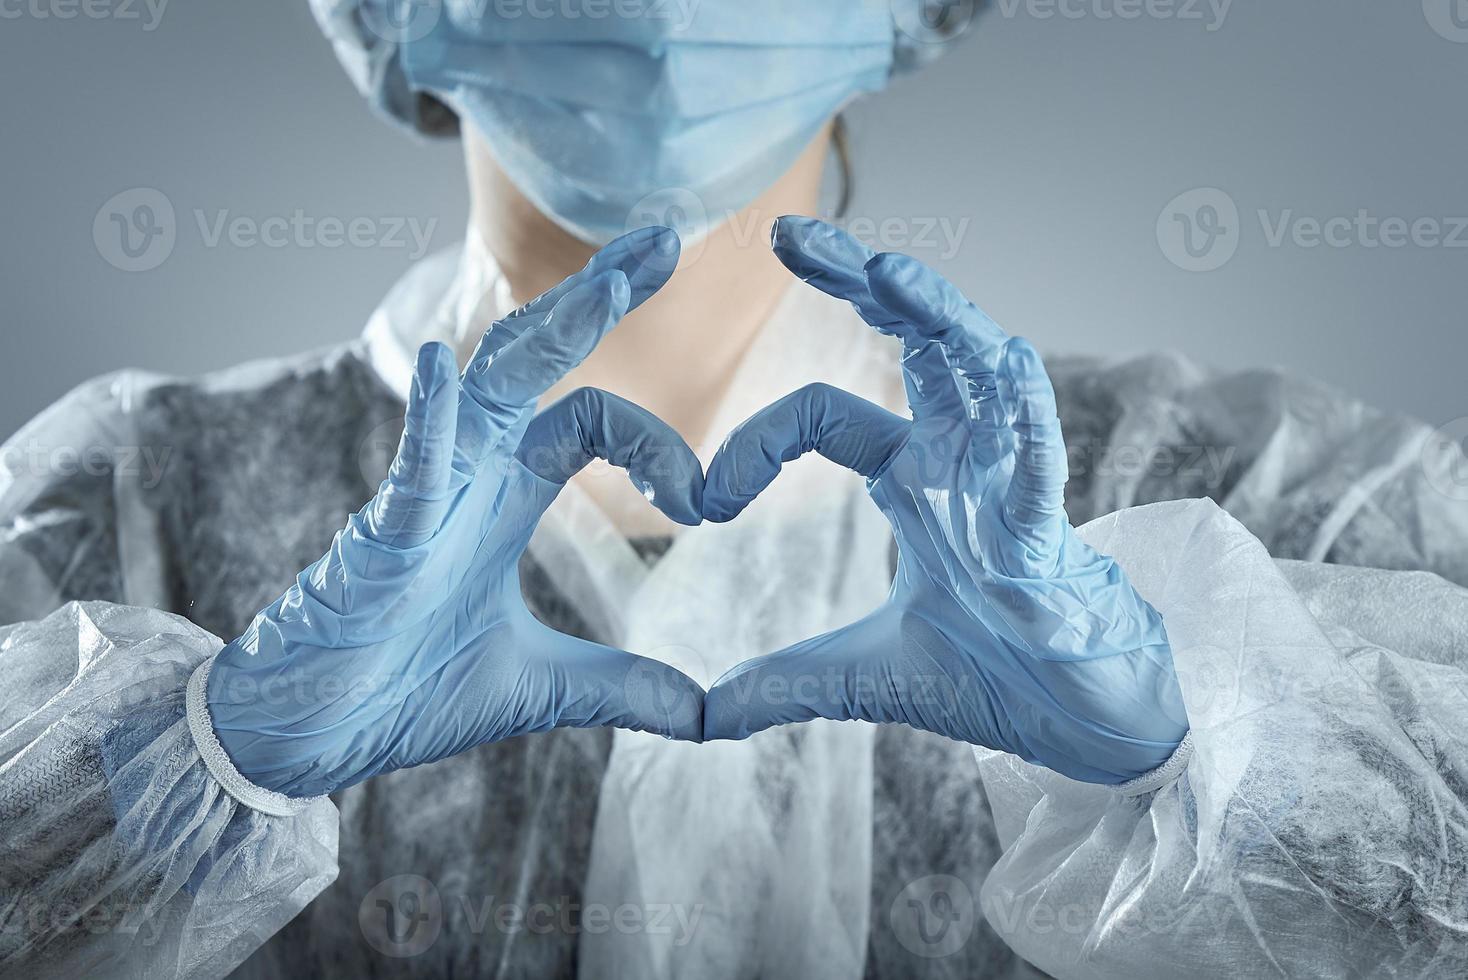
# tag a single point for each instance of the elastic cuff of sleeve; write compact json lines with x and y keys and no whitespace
{"x":1152,"y":781}
{"x":201,"y":726}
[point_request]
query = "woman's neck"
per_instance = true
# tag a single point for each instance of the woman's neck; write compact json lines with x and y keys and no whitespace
{"x":677,"y":354}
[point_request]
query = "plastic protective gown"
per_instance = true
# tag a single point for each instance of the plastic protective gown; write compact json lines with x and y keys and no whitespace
{"x":1318,"y":829}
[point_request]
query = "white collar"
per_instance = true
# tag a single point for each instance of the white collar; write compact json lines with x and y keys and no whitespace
{"x":441,"y":298}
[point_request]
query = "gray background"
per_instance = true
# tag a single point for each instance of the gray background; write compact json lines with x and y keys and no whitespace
{"x":1060,"y":139}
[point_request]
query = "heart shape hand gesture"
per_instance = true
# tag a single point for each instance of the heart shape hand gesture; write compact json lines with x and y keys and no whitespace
{"x":409,"y":641}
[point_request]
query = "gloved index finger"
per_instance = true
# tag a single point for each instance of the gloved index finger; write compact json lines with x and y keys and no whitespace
{"x":1035,"y":508}
{"x":832,"y":261}
{"x":593,"y":424}
{"x":498,"y":390}
{"x":842,"y":427}
{"x":647,"y":257}
{"x":835,"y":262}
{"x":937,"y":310}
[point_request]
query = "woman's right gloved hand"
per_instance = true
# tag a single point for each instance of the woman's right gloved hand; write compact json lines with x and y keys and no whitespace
{"x":1003,"y":627}
{"x":409,"y":641}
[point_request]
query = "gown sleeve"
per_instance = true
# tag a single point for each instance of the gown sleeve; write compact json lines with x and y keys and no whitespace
{"x":1318,"y":824}
{"x":122,"y":853}
{"x":1314,"y":473}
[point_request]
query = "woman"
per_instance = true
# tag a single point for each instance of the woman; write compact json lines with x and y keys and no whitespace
{"x":1213,"y":762}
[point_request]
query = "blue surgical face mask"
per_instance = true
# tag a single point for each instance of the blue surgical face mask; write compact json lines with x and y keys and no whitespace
{"x":637,"y":112}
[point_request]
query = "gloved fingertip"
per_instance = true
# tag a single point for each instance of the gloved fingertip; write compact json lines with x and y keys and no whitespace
{"x":1021,"y":359}
{"x":433,"y":371}
{"x":721,"y":509}
{"x":783,"y":230}
{"x":434,"y":364}
{"x":602,"y":299}
{"x":653,"y":260}
{"x":621,"y":292}
{"x":631,"y":241}
{"x":1029,"y":391}
{"x":665,"y":701}
{"x":891,"y":270}
{"x":688,"y":726}
{"x":792,"y":235}
{"x":614,"y":284}
{"x":721,"y":503}
{"x":904,"y":286}
{"x":681,"y":501}
{"x":724,"y":719}
{"x":685,"y":508}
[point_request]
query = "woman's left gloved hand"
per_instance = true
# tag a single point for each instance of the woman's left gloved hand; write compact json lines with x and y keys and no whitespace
{"x":1003,"y":628}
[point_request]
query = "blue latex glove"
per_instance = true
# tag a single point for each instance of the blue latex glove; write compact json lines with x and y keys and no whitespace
{"x":1003,"y":628}
{"x":409,"y":641}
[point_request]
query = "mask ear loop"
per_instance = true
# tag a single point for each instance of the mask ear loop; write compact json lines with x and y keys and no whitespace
{"x":841,"y":147}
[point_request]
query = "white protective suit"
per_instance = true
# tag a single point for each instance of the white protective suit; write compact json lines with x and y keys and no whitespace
{"x":1319,"y":828}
